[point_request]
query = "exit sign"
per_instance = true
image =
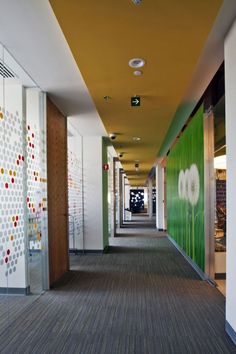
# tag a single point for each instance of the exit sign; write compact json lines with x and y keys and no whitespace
{"x":135,"y":101}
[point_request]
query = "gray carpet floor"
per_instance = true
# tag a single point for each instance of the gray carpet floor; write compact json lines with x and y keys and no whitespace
{"x":141,"y":297}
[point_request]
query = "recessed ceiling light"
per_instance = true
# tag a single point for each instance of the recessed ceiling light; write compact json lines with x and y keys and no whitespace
{"x":136,"y":63}
{"x":136,"y":138}
{"x":137,"y":2}
{"x":138,"y":73}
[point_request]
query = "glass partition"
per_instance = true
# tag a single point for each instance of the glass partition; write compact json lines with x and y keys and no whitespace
{"x":75,"y":191}
{"x":23,"y":183}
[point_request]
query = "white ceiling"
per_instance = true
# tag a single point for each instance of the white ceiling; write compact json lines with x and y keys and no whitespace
{"x":30,"y":32}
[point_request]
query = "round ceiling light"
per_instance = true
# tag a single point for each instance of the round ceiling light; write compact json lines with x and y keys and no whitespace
{"x":136,"y":63}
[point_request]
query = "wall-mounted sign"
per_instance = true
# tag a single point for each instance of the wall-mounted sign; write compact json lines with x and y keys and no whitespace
{"x":135,"y":101}
{"x":106,"y":166}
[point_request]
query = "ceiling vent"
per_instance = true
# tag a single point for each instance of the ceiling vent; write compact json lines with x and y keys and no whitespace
{"x":5,"y":72}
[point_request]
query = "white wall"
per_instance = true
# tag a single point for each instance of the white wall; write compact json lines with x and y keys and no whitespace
{"x":230,"y":89}
{"x":127,"y":194}
{"x":92,"y":177}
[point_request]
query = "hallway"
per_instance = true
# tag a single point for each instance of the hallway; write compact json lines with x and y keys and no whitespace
{"x":141,"y":297}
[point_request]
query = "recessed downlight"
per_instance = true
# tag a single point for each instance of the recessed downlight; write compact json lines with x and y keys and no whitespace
{"x":136,"y":138}
{"x":136,"y":63}
{"x":137,"y":2}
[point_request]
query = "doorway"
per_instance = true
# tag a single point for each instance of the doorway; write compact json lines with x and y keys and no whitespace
{"x":220,"y":234}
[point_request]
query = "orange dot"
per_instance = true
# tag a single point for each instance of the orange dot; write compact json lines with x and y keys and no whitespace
{"x":12,"y":237}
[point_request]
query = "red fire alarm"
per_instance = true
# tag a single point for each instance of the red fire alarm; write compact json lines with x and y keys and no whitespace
{"x":106,"y":167}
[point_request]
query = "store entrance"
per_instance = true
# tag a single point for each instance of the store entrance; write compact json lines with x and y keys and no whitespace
{"x":220,"y":235}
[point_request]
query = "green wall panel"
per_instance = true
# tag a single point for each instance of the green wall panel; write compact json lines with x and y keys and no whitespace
{"x":185,"y":191}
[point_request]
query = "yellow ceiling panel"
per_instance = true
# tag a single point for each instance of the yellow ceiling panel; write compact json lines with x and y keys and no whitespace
{"x":105,"y":35}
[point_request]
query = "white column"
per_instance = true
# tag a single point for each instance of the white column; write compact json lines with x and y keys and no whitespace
{"x":150,"y":205}
{"x":230,"y":90}
{"x":93,"y":193}
{"x":160,"y":220}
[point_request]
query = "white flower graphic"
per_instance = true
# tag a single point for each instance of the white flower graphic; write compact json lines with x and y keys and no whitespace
{"x":181,"y":184}
{"x":186,"y":185}
{"x":193,"y":184}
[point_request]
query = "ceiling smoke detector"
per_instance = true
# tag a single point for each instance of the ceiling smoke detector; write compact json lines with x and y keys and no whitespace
{"x":136,"y":63}
{"x":138,"y":73}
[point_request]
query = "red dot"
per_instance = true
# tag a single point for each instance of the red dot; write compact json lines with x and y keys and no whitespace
{"x":18,"y":162}
{"x":27,"y":199}
{"x":19,"y":157}
{"x":33,"y":146}
{"x":30,"y":144}
{"x":33,"y":210}
{"x":28,"y":127}
{"x":17,"y":218}
{"x":15,"y":224}
{"x":29,"y":205}
{"x":8,"y":252}
{"x":6,"y":185}
{"x":33,"y":157}
{"x":23,"y":159}
{"x":12,"y":180}
{"x":32,"y":135}
{"x":6,"y":259}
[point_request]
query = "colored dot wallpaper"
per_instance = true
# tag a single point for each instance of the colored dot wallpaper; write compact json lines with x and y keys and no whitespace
{"x":23,"y":187}
{"x":12,"y":187}
{"x":75,"y":193}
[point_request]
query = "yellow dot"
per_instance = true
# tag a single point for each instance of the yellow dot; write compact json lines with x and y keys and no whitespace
{"x":14,"y":173}
{"x":10,"y":172}
{"x":12,"y":237}
{"x":1,"y":115}
{"x":13,"y":218}
{"x":2,"y":170}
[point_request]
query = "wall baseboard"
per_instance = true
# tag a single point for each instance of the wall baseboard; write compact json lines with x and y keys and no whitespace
{"x":201,"y":274}
{"x":87,"y":251}
{"x":14,"y":291}
{"x":220,"y":275}
{"x":230,"y":331}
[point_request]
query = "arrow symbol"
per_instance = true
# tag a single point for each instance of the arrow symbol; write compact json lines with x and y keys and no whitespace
{"x":136,"y":101}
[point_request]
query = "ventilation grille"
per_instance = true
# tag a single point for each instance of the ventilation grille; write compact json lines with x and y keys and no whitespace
{"x":5,"y":71}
